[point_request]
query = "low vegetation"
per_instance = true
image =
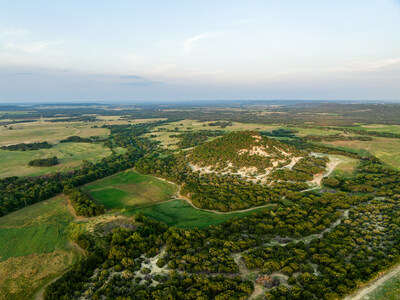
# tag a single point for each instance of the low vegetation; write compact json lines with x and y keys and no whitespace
{"x":129,"y":189}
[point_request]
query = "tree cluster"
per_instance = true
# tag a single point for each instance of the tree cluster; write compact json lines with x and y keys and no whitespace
{"x":44,"y":162}
{"x":27,"y":146}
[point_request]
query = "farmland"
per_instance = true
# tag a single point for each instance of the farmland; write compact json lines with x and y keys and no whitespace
{"x":46,"y":131}
{"x":70,"y":155}
{"x":129,"y":189}
{"x":386,"y":149}
{"x":34,"y":248}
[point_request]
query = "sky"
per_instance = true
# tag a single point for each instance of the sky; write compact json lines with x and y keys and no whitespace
{"x":199,"y":50}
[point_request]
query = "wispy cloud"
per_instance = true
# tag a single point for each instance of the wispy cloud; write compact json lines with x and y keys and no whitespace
{"x":31,"y":47}
{"x":373,"y":65}
{"x":189,"y":43}
{"x":19,"y":40}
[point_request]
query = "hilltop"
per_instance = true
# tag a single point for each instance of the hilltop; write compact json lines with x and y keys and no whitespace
{"x":244,"y":152}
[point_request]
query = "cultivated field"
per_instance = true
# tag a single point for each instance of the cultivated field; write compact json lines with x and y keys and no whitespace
{"x":70,"y":156}
{"x":34,"y":248}
{"x":127,"y":190}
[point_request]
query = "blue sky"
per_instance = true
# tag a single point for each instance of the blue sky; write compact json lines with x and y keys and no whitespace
{"x":192,"y":50}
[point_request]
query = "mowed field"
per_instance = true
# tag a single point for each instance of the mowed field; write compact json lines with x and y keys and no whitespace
{"x":181,"y":214}
{"x":127,"y":190}
{"x":34,"y":248}
{"x":386,"y":149}
{"x":70,"y":155}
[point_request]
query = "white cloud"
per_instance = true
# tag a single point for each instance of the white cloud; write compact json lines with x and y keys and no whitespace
{"x":13,"y":32}
{"x":188,"y":44}
{"x":18,"y":40}
{"x":373,"y":65}
{"x":31,"y":47}
{"x":133,"y":58}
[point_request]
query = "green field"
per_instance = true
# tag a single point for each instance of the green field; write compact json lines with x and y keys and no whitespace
{"x":70,"y":155}
{"x":129,"y":189}
{"x":378,"y":128}
{"x":386,"y":149}
{"x":38,"y":228}
{"x":34,"y":248}
{"x":47,"y":131}
{"x":181,"y":214}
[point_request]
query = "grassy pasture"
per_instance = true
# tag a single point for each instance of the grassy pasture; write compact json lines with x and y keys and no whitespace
{"x":129,"y":189}
{"x":386,"y":149}
{"x":38,"y":228}
{"x":47,"y":131}
{"x":34,"y":248}
{"x":70,"y":155}
{"x":181,"y":214}
{"x":379,"y":128}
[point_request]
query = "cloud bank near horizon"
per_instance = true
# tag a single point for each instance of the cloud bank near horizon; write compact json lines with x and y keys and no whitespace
{"x":216,"y":50}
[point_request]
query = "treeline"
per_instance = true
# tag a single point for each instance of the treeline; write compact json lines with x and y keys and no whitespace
{"x":221,"y":124}
{"x":44,"y":162}
{"x":192,"y":139}
{"x":28,"y":146}
{"x":281,"y":132}
{"x":82,"y":203}
{"x":78,"y":139}
{"x":75,"y":119}
{"x":336,"y":137}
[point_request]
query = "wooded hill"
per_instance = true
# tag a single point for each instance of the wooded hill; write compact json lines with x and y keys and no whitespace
{"x":243,"y":149}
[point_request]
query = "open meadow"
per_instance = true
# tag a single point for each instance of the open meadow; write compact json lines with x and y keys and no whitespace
{"x":386,"y":149}
{"x":70,"y":156}
{"x":34,"y":248}
{"x":47,"y":131}
{"x":127,"y":190}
